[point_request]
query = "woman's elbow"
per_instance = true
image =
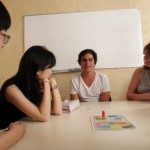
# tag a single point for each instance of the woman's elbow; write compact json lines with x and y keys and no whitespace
{"x":57,"y":112}
{"x":129,"y":97}
{"x":43,"y":119}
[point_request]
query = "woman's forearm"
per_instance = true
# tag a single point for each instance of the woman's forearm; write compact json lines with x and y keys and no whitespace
{"x":45,"y":105}
{"x":10,"y":137}
{"x":56,"y":98}
{"x":135,"y":96}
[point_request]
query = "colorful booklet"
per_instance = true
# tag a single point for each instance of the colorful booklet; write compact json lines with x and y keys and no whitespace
{"x":110,"y":122}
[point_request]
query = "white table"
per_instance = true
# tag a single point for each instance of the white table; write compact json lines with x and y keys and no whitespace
{"x":73,"y":131}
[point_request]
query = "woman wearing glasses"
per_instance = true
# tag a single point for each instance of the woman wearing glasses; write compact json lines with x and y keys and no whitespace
{"x":5,"y":22}
{"x":4,"y":38}
{"x":14,"y":131}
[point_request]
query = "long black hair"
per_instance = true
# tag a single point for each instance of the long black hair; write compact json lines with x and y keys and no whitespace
{"x":36,"y":58}
{"x":5,"y":20}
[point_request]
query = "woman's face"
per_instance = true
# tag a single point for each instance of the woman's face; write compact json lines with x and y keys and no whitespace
{"x":44,"y":74}
{"x":4,"y":38}
{"x":147,"y":58}
{"x":1,"y":39}
{"x":87,"y":63}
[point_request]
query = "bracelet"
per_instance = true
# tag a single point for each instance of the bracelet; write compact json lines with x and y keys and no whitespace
{"x":54,"y":87}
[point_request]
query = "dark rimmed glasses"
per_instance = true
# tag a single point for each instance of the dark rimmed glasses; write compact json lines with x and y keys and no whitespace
{"x":6,"y":38}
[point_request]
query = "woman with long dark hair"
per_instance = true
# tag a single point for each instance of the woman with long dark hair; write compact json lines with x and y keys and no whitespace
{"x":32,"y":91}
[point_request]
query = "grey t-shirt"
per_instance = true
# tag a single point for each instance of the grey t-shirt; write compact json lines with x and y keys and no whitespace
{"x":144,"y":83}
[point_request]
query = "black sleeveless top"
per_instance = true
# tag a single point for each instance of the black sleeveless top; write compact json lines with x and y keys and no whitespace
{"x":9,"y":113}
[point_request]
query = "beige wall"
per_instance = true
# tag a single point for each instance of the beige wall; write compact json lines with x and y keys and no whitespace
{"x":11,"y":54}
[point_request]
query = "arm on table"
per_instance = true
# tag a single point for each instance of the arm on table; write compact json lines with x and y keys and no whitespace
{"x":56,"y":98}
{"x":12,"y":135}
{"x":40,"y":113}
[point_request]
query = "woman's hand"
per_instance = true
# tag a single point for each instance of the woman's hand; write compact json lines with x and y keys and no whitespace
{"x":53,"y":84}
{"x":42,"y":82}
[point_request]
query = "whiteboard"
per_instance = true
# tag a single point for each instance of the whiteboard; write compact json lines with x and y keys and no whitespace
{"x":115,"y":35}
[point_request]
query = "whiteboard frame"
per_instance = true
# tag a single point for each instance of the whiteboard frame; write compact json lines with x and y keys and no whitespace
{"x":115,"y":35}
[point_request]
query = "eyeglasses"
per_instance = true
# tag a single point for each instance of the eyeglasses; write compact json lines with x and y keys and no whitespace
{"x":5,"y":38}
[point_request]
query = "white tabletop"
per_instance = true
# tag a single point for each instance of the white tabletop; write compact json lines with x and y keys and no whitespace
{"x":73,"y":131}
